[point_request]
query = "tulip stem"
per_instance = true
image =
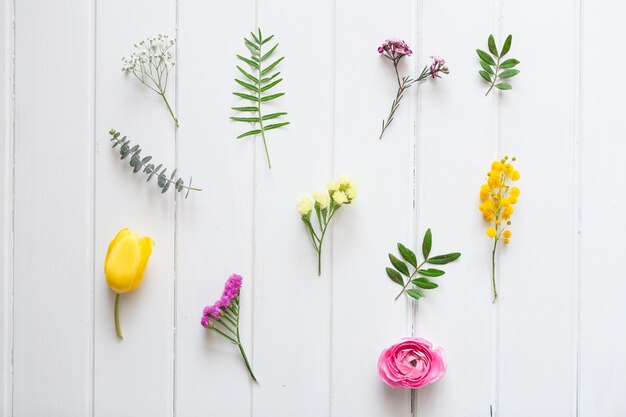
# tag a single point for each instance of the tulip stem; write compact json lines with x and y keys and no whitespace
{"x":118,"y":329}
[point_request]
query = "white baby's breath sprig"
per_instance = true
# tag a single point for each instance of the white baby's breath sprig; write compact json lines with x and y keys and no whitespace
{"x":151,"y":63}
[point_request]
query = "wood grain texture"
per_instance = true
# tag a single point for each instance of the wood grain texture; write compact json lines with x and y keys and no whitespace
{"x":550,"y":346}
{"x":53,"y":246}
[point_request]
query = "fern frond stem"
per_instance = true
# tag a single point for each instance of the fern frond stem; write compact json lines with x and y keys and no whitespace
{"x":267,"y":154}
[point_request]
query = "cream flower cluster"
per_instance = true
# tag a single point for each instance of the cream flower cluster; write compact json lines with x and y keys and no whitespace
{"x":338,"y":192}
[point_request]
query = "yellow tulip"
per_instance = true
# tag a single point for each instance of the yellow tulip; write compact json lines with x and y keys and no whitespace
{"x":125,"y":264}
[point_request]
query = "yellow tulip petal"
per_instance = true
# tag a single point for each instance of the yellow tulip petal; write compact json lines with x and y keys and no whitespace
{"x":122,"y":263}
{"x":146,"y":244}
{"x":119,"y":236}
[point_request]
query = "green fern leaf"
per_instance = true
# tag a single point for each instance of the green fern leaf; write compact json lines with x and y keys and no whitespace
{"x":270,"y":52}
{"x":249,"y":62}
{"x":247,"y":75}
{"x":247,"y":96}
{"x":267,"y":87}
{"x":272,"y":97}
{"x":246,"y":85}
{"x":271,"y":67}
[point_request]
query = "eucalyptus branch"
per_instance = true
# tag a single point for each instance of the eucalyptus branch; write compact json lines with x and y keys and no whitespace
{"x":138,"y":164}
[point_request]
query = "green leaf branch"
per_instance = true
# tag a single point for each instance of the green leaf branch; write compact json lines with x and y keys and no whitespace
{"x":420,"y":278}
{"x":257,"y":83}
{"x":494,"y":69}
{"x":143,"y":164}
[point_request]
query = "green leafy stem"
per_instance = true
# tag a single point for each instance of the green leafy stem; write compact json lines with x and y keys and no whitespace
{"x":492,"y":66}
{"x":259,"y":84}
{"x":420,"y":277}
{"x":138,"y":163}
{"x":324,"y":217}
{"x":229,"y":329}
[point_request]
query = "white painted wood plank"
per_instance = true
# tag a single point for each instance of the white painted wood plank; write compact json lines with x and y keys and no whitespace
{"x":291,"y":303}
{"x":602,"y":333}
{"x":53,"y":208}
{"x":134,"y":376}
{"x":6,"y":208}
{"x":365,"y":317}
{"x":215,"y":231}
{"x":456,"y":141}
{"x":538,"y":283}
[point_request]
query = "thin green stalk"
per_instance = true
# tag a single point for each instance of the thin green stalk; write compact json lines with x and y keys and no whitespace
{"x":319,"y":249}
{"x":409,"y":280}
{"x":495,"y":78}
{"x":243,"y":353}
{"x":169,"y":108}
{"x":118,"y":329}
{"x":493,"y":270}
{"x":218,"y":331}
{"x":267,"y":154}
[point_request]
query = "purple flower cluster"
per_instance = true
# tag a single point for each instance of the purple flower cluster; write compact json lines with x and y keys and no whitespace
{"x":438,"y":65}
{"x":394,"y":49}
{"x":230,"y":293}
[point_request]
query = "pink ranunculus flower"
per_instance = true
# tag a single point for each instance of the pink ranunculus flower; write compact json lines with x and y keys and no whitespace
{"x":412,"y":363}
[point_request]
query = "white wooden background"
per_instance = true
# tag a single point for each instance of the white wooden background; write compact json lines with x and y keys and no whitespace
{"x":552,"y":345}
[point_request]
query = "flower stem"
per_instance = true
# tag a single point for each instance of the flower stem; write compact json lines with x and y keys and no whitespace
{"x":243,"y":353}
{"x":409,"y":281}
{"x":495,"y":77}
{"x":493,"y":270}
{"x":169,"y":108}
{"x":118,"y":329}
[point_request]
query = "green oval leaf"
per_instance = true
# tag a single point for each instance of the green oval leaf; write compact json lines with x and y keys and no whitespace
{"x":394,"y":276}
{"x":399,"y":265}
{"x":507,"y":45}
{"x":508,"y":73}
{"x":425,"y":283}
{"x":485,"y":75}
{"x":485,"y":57}
{"x":509,"y":63}
{"x":431,"y":272}
{"x":492,"y":46}
{"x":415,"y":294}
{"x":503,"y":86}
{"x":407,"y":254}
{"x":444,"y":259}
{"x":486,"y":67}
{"x":427,"y":243}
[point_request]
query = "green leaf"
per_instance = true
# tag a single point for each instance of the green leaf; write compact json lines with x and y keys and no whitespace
{"x":507,"y":45}
{"x":399,"y":265}
{"x":272,"y":97}
{"x":246,"y":119}
{"x":503,"y":86}
{"x":250,"y":44}
{"x":492,"y":46}
{"x":485,"y":57}
{"x":508,"y":73}
{"x":509,"y":63}
{"x":444,"y":259}
{"x":407,"y":254}
{"x":153,"y":171}
{"x":394,"y":276}
{"x":249,"y":62}
{"x":486,"y":76}
{"x":268,"y":53}
{"x":273,"y":115}
{"x":427,"y":243}
{"x":246,"y":85}
{"x":255,"y":38}
{"x":246,"y":96}
{"x":486,"y":67}
{"x":247,"y":108}
{"x":248,"y":76}
{"x":415,"y":294}
{"x":267,"y":39}
{"x":431,"y":272}
{"x":276,"y":126}
{"x":424,"y":283}
{"x":271,"y":66}
{"x":264,"y":80}
{"x":249,"y":133}
{"x":270,"y":85}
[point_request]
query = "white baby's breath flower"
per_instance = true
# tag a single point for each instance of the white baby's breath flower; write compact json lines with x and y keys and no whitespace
{"x":323,"y":199}
{"x":305,"y":205}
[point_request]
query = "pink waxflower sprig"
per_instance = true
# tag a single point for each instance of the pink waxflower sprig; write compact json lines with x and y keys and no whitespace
{"x":222,"y":317}
{"x":395,"y":50}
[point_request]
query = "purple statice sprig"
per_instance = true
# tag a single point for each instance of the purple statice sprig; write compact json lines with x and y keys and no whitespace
{"x":395,"y":50}
{"x":222,"y":317}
